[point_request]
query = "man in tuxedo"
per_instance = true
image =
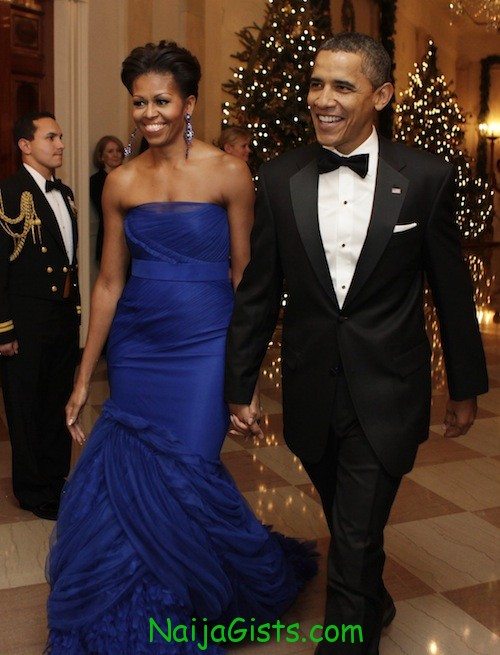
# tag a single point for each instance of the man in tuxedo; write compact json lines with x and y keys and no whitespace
{"x":39,"y":313}
{"x":353,"y":223}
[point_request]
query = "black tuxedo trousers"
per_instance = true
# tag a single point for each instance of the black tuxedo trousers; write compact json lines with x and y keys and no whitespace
{"x":357,"y":494}
{"x":37,"y":383}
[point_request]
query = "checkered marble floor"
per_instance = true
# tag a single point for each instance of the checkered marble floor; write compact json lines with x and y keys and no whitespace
{"x":442,"y":541}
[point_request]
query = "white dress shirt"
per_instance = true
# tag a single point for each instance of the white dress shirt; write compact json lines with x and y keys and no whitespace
{"x":345,"y":202}
{"x":56,"y":201}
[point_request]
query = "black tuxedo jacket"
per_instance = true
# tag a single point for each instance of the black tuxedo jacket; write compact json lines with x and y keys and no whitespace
{"x":378,"y":338}
{"x":96,"y":186}
{"x":42,"y":267}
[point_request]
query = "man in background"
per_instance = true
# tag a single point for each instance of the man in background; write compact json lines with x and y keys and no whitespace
{"x":39,"y":313}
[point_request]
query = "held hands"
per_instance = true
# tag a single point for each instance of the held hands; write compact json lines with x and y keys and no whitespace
{"x":75,"y":404}
{"x":460,"y":415}
{"x":9,"y":349}
{"x":245,"y":419}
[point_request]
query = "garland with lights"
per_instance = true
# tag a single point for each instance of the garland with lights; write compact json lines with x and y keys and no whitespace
{"x":269,"y":87}
{"x":429,"y":117}
{"x":484,"y":109}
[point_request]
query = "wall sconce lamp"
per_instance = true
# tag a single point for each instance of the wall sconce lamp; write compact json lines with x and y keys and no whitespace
{"x":491,"y":131}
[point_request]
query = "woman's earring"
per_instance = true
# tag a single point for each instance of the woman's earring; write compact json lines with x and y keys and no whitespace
{"x":188,"y":133}
{"x":127,"y":151}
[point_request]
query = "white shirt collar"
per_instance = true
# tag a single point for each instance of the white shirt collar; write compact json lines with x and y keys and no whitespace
{"x":38,"y":177}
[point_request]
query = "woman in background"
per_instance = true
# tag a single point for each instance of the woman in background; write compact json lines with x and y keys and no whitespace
{"x":108,"y":154}
{"x":235,"y":140}
{"x":151,"y":524}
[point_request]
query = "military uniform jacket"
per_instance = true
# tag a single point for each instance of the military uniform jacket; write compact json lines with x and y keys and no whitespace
{"x":36,"y":266}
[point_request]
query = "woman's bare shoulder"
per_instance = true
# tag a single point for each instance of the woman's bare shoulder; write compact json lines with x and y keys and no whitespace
{"x":127,"y":172}
{"x":118,"y":176}
{"x":122,"y":182}
{"x":221,"y":162}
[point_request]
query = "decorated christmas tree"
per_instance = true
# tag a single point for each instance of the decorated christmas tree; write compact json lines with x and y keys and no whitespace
{"x":269,"y":86}
{"x":482,"y":281}
{"x":429,"y":117}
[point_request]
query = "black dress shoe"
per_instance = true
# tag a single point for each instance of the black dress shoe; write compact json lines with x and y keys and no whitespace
{"x":389,"y":611}
{"x":387,"y":618}
{"x":46,"y":510}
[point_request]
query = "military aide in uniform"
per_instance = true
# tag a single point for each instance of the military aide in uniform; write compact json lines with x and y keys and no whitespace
{"x":39,"y":313}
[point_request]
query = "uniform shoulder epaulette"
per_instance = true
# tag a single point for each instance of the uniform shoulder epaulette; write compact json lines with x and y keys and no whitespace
{"x":27,"y":220}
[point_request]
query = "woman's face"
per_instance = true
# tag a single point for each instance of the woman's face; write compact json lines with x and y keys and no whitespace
{"x":112,"y":156}
{"x":239,"y":148}
{"x":159,"y":108}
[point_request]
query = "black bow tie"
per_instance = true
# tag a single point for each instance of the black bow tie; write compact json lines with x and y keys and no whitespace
{"x":51,"y":185}
{"x":330,"y":161}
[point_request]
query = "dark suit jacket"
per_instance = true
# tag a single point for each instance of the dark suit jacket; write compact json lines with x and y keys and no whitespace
{"x":96,"y":185}
{"x":378,"y":337}
{"x":41,"y":269}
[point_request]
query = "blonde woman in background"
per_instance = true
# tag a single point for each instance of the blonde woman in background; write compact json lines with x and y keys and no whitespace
{"x":235,"y":140}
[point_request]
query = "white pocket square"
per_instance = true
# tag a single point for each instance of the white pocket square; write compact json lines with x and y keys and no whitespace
{"x":405,"y":227}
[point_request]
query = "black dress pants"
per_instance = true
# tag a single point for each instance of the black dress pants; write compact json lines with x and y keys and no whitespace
{"x":357,"y":495}
{"x":36,"y":384}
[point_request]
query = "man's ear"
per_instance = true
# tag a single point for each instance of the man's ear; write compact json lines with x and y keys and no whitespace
{"x":383,"y":96}
{"x":24,"y":146}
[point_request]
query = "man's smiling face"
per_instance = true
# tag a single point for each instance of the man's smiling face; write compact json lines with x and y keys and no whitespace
{"x":343,"y":101}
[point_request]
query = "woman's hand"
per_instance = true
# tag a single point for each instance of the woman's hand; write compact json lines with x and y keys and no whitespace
{"x":75,"y":405}
{"x":245,"y":419}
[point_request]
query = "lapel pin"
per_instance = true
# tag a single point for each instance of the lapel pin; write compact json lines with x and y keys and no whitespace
{"x":396,"y":189}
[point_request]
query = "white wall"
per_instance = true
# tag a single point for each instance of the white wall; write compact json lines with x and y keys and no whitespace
{"x":108,"y":99}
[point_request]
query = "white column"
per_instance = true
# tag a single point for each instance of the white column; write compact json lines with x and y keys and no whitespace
{"x":71,"y":63}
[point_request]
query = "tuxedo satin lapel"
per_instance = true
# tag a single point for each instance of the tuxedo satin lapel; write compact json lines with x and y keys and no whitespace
{"x":386,"y":209}
{"x":42,"y":207}
{"x":304,"y":194}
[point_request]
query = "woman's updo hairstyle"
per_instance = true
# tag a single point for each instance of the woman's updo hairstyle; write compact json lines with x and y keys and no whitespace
{"x":166,"y":57}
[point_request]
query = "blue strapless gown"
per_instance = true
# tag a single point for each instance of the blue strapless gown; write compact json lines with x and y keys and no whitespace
{"x":151,"y":523}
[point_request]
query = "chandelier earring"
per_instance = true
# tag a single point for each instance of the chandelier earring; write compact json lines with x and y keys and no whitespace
{"x":188,"y":132}
{"x":127,"y":151}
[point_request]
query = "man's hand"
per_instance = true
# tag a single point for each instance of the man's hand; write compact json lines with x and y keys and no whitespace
{"x":245,"y":419}
{"x":460,"y":415}
{"x":9,"y":349}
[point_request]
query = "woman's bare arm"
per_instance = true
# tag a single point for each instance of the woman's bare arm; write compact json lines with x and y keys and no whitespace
{"x":105,"y":295}
{"x":239,"y":197}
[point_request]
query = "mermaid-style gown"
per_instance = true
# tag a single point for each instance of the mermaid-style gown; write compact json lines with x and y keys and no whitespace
{"x":151,"y":524}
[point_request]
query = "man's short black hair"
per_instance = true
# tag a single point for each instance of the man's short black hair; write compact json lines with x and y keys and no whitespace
{"x":25,"y":127}
{"x":376,"y":63}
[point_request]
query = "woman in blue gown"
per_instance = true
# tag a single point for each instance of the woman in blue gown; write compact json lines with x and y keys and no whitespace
{"x":151,"y":524}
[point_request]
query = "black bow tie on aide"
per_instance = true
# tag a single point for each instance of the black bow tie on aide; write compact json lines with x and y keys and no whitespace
{"x":51,"y":185}
{"x":330,"y":161}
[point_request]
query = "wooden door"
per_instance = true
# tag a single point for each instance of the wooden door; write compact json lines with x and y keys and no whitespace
{"x":26,"y":68}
